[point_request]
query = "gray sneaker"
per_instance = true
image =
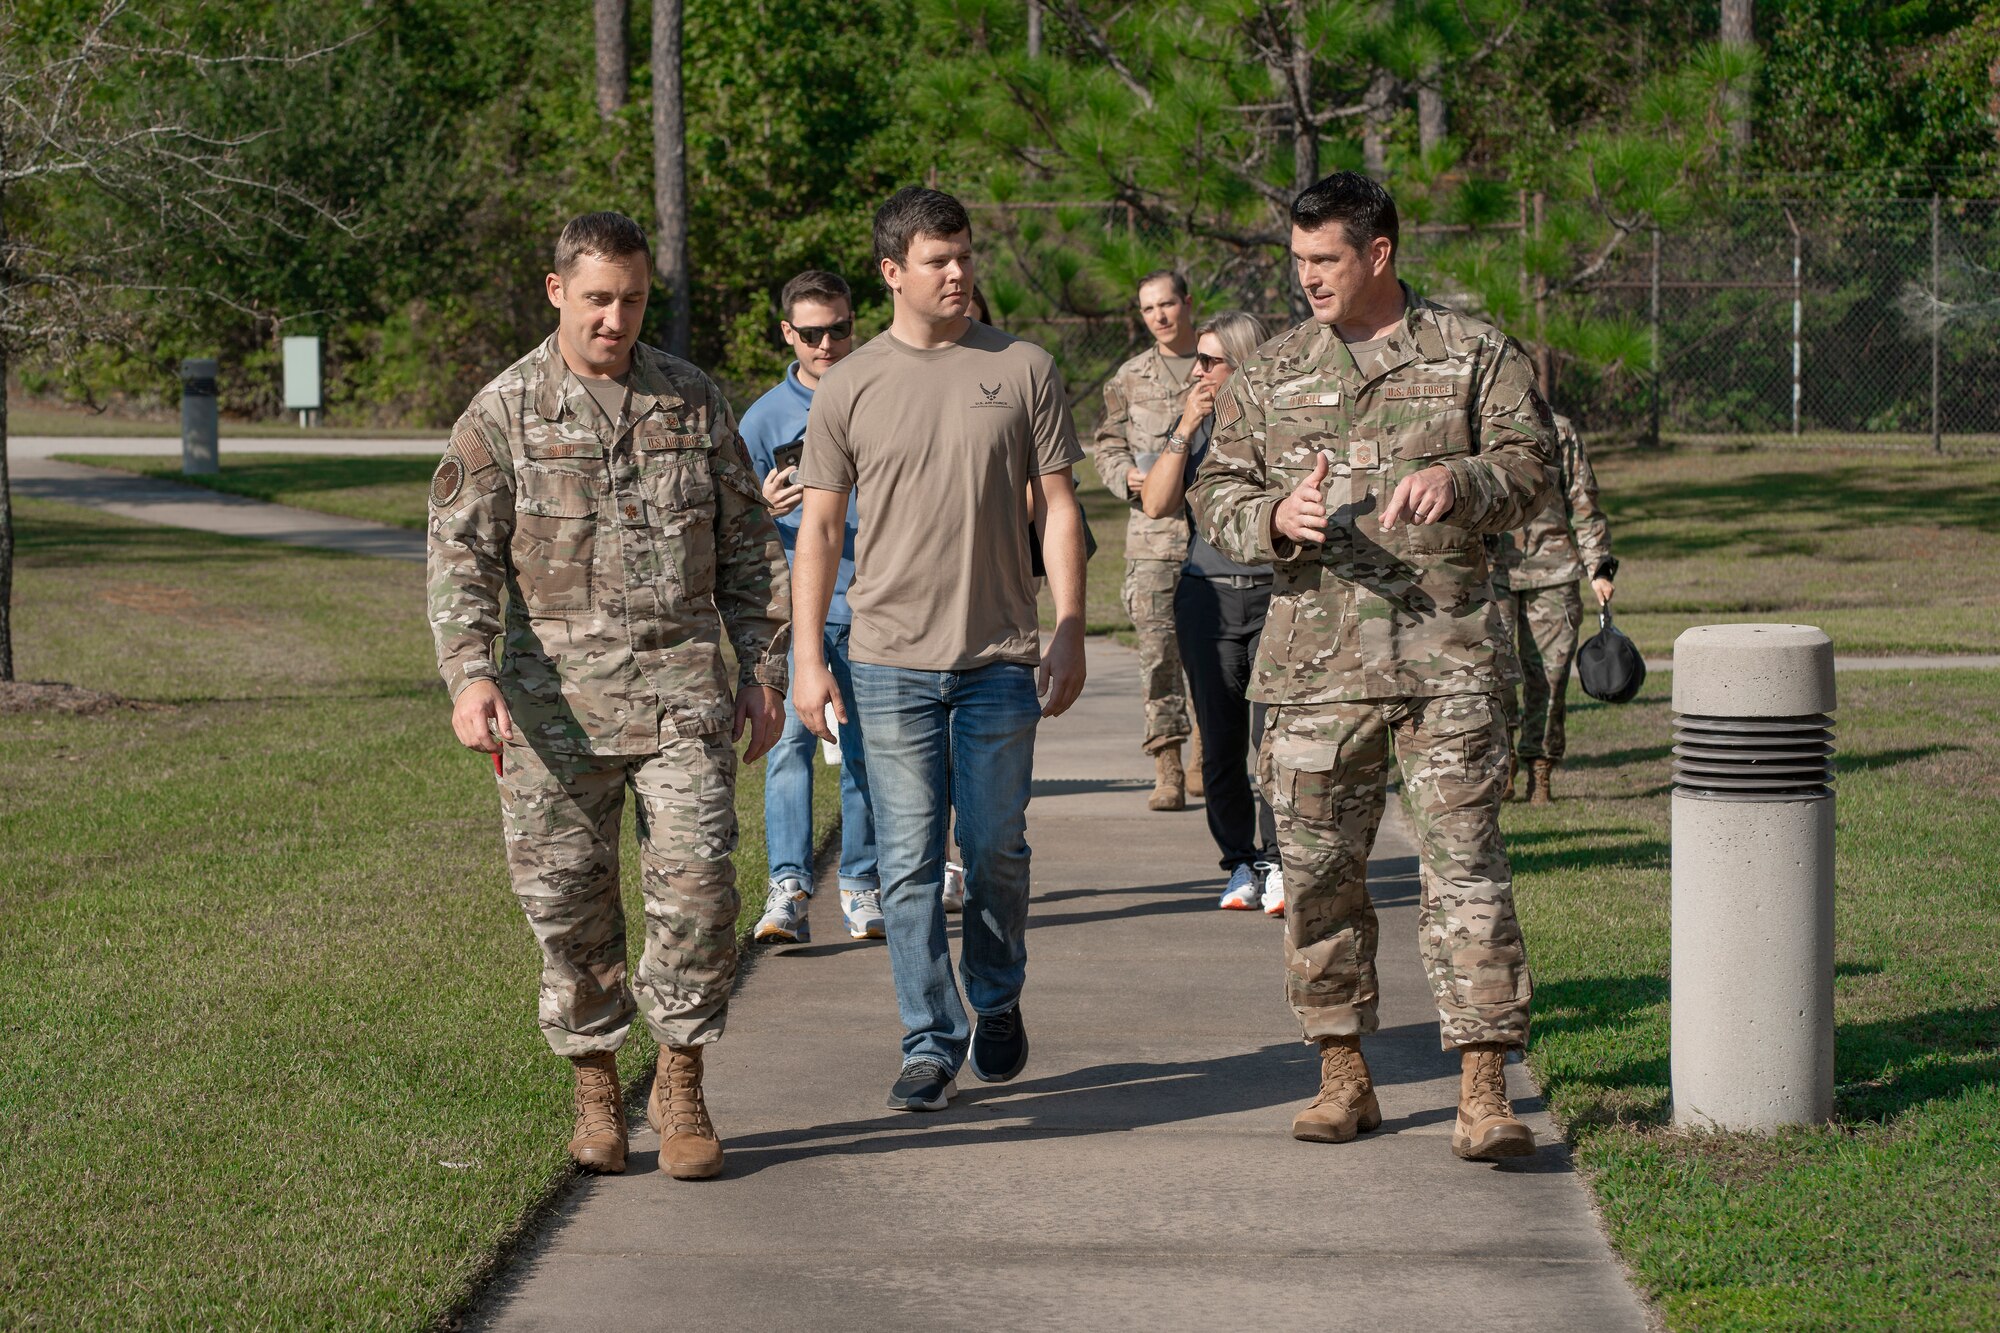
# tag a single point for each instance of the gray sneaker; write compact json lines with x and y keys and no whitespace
{"x":863,"y":910}
{"x":784,"y":919}
{"x":953,"y":896}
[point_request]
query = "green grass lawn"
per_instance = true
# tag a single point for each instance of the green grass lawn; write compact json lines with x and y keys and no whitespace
{"x":1885,"y":552}
{"x":383,"y":489}
{"x":1890,"y":1216}
{"x":270,"y":1056}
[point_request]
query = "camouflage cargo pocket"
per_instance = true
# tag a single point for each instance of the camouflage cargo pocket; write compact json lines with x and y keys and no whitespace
{"x":1496,"y":973}
{"x":679,"y":480}
{"x":1302,"y":757}
{"x":555,"y":542}
{"x":678,"y":468}
{"x":1464,"y":738}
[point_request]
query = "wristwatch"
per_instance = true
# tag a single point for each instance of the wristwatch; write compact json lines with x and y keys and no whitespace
{"x":1177,"y":443}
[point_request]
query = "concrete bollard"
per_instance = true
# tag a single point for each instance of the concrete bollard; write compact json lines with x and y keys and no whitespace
{"x":198,"y":416}
{"x":1753,"y":877}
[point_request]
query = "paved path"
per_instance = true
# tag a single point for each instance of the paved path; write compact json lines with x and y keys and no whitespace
{"x":169,"y":446}
{"x":39,"y":477}
{"x":1139,"y":1174}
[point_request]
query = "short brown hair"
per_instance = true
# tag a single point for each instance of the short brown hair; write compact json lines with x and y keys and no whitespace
{"x":815,"y":284}
{"x":1166,"y":275}
{"x":601,"y":236}
{"x":914,"y":211}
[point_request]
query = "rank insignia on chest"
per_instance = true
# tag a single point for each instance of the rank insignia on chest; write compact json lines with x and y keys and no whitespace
{"x":1363,"y":453}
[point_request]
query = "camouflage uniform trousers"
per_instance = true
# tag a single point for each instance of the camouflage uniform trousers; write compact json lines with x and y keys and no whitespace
{"x":1149,"y":600}
{"x":1545,"y":626}
{"x":1325,"y":768}
{"x":561,"y":815}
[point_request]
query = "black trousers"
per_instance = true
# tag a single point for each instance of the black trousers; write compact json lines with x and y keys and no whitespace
{"x":1218,"y":626}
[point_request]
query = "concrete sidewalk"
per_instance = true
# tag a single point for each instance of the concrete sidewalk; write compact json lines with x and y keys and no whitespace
{"x":1140,"y":1173}
{"x":39,"y":477}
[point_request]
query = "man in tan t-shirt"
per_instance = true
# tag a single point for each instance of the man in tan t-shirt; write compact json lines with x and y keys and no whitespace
{"x":940,"y":424}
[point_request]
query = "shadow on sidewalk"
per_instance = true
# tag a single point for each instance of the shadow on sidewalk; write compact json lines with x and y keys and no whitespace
{"x":1102,"y":1099}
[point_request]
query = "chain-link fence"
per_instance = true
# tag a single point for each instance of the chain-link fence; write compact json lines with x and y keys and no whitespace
{"x":1808,"y":319}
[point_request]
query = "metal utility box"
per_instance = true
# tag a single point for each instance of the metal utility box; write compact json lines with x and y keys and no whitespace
{"x":302,"y":377}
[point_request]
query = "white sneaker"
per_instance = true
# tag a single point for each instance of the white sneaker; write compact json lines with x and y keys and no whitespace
{"x":1241,"y":895}
{"x":1271,"y":877}
{"x":953,"y":897}
{"x":784,"y":918}
{"x":863,"y":910}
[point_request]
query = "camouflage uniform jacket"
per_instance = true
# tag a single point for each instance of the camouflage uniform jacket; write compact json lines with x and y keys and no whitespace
{"x":1371,"y":614}
{"x":1567,"y":539}
{"x":1142,"y":405}
{"x":621,"y":550}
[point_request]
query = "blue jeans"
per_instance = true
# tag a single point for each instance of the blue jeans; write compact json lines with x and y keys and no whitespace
{"x":939,"y":741}
{"x":788,"y":791}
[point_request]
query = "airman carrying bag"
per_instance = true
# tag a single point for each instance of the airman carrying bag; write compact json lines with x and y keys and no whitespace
{"x":1609,"y":665}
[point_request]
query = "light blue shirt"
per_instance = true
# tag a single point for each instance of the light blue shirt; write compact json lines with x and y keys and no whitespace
{"x":774,"y":421}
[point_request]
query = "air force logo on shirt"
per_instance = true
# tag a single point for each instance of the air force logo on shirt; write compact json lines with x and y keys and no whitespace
{"x":991,"y":397}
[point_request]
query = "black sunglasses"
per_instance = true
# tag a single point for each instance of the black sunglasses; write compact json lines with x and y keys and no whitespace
{"x":1205,"y":363}
{"x":811,"y":335}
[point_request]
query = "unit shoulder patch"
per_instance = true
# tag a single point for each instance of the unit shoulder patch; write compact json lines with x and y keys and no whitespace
{"x":448,"y":481}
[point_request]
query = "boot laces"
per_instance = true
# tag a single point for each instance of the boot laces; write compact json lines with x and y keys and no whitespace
{"x":1489,"y":1084}
{"x":596,"y":1101}
{"x":686,"y":1108}
{"x":1341,"y":1074}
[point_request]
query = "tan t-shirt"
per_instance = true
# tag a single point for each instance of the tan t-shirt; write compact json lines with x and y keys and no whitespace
{"x":940,"y":445}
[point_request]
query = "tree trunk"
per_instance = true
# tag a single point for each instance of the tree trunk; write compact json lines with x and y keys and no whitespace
{"x":1736,"y":31}
{"x":6,"y":491}
{"x":1034,"y":28}
{"x":670,"y":171}
{"x":613,"y":61}
{"x":1432,"y":124}
{"x":1305,"y":134}
{"x":6,"y":533}
{"x":1380,"y":104}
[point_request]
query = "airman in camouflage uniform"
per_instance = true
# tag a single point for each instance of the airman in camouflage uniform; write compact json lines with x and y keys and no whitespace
{"x":1142,"y":405}
{"x":1535,"y":571}
{"x":1386,"y":639}
{"x":608,"y":556}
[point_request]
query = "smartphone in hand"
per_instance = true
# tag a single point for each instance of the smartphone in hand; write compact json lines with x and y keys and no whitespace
{"x":785,"y":459}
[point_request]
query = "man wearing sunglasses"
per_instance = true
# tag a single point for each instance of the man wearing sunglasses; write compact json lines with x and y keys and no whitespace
{"x":819,"y":327}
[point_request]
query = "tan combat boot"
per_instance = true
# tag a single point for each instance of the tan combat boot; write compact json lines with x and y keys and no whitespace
{"x":1540,"y":791}
{"x":1193,"y":774}
{"x":1513,"y":769}
{"x":1487,"y":1130}
{"x":1346,"y":1104}
{"x":1169,"y":782}
{"x":689,"y":1149}
{"x":599,"y":1141}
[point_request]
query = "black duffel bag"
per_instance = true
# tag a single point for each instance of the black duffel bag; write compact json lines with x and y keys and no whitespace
{"x":1609,"y":665}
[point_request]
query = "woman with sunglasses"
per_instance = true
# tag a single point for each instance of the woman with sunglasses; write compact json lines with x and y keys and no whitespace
{"x":1218,"y":615}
